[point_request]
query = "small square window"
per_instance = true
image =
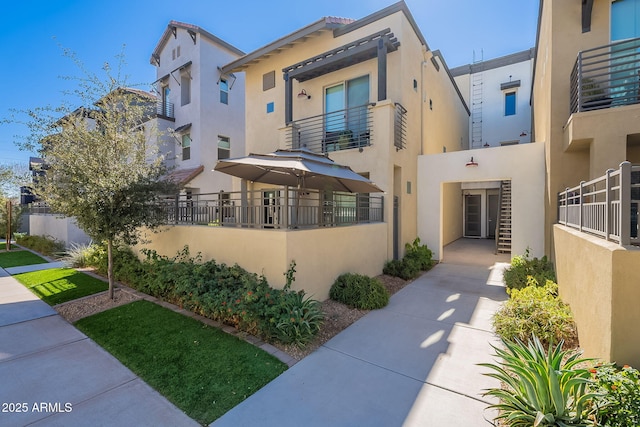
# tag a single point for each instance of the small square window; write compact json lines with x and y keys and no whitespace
{"x":186,"y":146}
{"x":270,"y":107}
{"x":224,"y":91}
{"x":510,"y":104}
{"x":408,"y":187}
{"x":224,"y":147}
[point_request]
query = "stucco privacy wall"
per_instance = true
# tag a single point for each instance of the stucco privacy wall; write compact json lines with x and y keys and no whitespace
{"x":522,"y":164}
{"x":60,"y":228}
{"x":321,"y":254}
{"x":602,"y":290}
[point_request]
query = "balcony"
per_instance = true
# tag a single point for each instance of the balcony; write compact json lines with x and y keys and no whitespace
{"x":343,"y":130}
{"x":606,"y":207}
{"x":606,"y":76}
{"x":274,"y":208}
{"x":335,"y":131}
{"x":165,"y":110}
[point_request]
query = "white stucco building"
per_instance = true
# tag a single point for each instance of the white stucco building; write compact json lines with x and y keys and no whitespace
{"x":498,"y":92}
{"x":200,"y":109}
{"x":483,"y":192}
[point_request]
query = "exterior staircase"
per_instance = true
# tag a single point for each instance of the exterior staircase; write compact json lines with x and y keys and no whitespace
{"x":503,"y":232}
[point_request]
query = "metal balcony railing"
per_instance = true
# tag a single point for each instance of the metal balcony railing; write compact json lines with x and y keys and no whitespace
{"x":165,"y":109}
{"x":400,"y":127}
{"x":338,"y":130}
{"x":606,"y":76}
{"x":606,"y":207}
{"x":279,"y":208}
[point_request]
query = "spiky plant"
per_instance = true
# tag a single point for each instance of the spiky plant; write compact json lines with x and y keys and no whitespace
{"x":541,"y":388}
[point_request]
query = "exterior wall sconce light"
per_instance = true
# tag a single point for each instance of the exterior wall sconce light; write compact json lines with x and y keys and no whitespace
{"x":303,"y":94}
{"x":471,"y":163}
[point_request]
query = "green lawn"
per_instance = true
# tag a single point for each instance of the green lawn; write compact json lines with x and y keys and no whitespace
{"x":3,"y":246}
{"x":15,"y":258}
{"x":58,"y":285}
{"x":202,"y":370}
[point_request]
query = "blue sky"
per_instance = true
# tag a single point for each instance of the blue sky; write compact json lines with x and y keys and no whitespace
{"x":33,"y":63}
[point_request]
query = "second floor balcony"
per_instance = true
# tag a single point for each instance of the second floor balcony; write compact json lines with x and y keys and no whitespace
{"x":606,"y":76}
{"x":164,"y":109}
{"x":351,"y":128}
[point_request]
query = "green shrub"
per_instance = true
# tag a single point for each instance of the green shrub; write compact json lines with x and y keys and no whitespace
{"x":617,"y":396}
{"x":299,"y":320}
{"x":541,"y":269}
{"x":403,"y":268}
{"x":231,"y":295}
{"x":417,"y":258}
{"x":77,"y":255}
{"x":359,"y":291}
{"x":127,"y":267}
{"x":419,"y":254}
{"x":541,"y":389}
{"x":44,"y":245}
{"x":538,"y":311}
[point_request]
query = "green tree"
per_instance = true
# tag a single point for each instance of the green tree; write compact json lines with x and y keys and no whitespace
{"x":103,"y":163}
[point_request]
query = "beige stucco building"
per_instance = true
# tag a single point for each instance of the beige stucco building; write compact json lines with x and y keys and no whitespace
{"x":586,"y":110}
{"x":370,"y":94}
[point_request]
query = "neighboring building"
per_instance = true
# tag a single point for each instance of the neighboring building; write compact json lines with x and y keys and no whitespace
{"x":585,"y":109}
{"x":372,"y":95}
{"x":498,"y":92}
{"x":200,"y":109}
{"x":37,"y":169}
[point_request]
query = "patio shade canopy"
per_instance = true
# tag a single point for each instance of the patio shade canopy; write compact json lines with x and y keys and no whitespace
{"x":299,"y":167}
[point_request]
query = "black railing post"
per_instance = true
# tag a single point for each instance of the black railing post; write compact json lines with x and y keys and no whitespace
{"x":177,"y":208}
{"x":579,"y":82}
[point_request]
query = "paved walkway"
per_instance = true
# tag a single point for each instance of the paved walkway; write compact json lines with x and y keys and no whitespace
{"x":56,"y":376}
{"x":413,"y":363}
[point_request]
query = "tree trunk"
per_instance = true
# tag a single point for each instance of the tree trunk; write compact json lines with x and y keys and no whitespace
{"x":110,"y":266}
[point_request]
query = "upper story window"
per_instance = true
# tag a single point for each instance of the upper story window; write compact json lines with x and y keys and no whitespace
{"x":625,"y":19}
{"x":224,"y":147}
{"x":185,"y":89}
{"x":348,"y":95}
{"x":186,"y":146}
{"x":224,"y":91}
{"x":510,"y":104}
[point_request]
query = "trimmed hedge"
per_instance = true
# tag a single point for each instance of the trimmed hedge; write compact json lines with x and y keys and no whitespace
{"x":359,"y":291}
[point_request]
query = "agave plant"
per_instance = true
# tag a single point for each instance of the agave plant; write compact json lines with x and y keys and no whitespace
{"x":542,"y":388}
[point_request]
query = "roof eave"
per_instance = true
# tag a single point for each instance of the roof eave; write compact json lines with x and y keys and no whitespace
{"x":168,"y":33}
{"x":241,"y":63}
{"x":400,"y":6}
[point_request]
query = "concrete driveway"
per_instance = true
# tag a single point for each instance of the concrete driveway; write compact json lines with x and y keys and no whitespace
{"x":411,"y":363}
{"x":51,"y":374}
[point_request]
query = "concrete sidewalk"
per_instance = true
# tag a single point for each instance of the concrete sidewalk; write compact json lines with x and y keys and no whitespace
{"x":53,"y":375}
{"x":412,"y":363}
